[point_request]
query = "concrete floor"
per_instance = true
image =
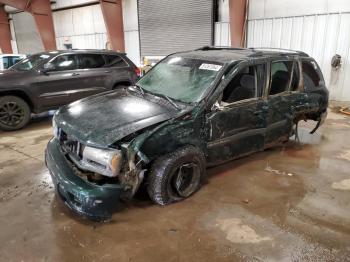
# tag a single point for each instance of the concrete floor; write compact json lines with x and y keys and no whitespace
{"x":290,"y":203}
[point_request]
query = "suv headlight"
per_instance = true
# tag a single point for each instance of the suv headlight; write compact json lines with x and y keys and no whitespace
{"x":106,"y":162}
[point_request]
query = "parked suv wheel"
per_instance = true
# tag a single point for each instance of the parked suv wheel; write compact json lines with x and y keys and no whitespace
{"x":176,"y":176}
{"x":14,"y":113}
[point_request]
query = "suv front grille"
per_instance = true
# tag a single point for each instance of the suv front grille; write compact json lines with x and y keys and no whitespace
{"x":71,"y":145}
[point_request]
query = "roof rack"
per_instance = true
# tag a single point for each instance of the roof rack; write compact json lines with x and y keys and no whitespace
{"x":284,"y":51}
{"x":207,"y":48}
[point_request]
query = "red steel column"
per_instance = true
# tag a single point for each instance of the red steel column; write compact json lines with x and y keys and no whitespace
{"x":41,"y":11}
{"x":113,"y":16}
{"x":237,"y":22}
{"x":5,"y":33}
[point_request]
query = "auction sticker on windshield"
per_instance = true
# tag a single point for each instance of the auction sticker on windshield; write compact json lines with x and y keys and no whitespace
{"x":211,"y":67}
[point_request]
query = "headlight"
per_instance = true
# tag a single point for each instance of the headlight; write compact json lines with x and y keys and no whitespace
{"x":106,"y":162}
{"x":54,"y":128}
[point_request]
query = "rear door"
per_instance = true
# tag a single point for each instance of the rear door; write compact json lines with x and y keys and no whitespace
{"x":280,"y":113}
{"x":122,"y":71}
{"x":93,"y":75}
{"x":237,"y":123}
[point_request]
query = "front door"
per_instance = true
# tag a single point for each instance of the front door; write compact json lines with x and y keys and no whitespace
{"x":57,"y":86}
{"x":236,"y":123}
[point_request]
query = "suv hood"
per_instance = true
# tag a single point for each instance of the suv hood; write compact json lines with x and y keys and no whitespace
{"x":11,"y":77}
{"x":103,"y":119}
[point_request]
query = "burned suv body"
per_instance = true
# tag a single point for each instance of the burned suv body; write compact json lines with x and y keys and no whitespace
{"x":192,"y":110}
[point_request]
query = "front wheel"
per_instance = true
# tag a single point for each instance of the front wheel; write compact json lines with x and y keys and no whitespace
{"x":14,"y":113}
{"x":176,"y":176}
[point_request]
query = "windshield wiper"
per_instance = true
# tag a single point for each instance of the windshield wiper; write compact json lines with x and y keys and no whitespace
{"x":141,"y":89}
{"x":171,"y":101}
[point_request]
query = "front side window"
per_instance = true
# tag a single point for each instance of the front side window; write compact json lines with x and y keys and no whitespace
{"x":64,"y":62}
{"x":115,"y":61}
{"x":31,"y":62}
{"x":246,"y":84}
{"x":280,"y":76}
{"x":91,"y":61}
{"x":182,"y":79}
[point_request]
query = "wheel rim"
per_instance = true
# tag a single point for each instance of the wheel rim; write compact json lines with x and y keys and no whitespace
{"x":11,"y":114}
{"x":186,"y":179}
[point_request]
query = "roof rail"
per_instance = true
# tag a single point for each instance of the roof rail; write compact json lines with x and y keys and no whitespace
{"x":206,"y":48}
{"x":285,"y":51}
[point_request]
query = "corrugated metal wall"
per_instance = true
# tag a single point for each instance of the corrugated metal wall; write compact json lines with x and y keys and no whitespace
{"x":318,"y":27}
{"x":174,"y":25}
{"x":222,"y":34}
{"x":82,"y":27}
{"x":321,"y":36}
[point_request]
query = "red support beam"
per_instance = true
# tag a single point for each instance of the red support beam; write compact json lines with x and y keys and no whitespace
{"x":5,"y":33}
{"x":238,"y":22}
{"x":113,"y":16}
{"x":41,"y":11}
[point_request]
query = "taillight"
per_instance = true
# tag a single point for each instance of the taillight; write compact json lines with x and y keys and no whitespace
{"x":138,"y":71}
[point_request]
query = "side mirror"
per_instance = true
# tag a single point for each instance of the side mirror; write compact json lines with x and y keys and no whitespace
{"x":48,"y":67}
{"x":217,"y":107}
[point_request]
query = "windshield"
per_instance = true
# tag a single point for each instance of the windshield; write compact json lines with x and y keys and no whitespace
{"x":181,"y":79}
{"x":30,"y":62}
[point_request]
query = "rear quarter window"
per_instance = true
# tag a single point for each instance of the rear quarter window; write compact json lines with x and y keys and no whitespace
{"x":311,"y":76}
{"x":115,"y":61}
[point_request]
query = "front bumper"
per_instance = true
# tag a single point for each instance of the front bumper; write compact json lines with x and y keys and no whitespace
{"x":83,"y":197}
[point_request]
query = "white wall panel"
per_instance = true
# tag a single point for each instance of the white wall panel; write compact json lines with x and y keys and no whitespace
{"x":321,"y":36}
{"x":83,"y":27}
{"x":222,"y":34}
{"x":259,"y":9}
{"x":131,"y":31}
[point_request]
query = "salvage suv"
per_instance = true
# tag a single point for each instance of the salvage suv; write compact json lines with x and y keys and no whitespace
{"x":192,"y":110}
{"x":46,"y":81}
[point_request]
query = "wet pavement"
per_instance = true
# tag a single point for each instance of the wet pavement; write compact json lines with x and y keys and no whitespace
{"x":289,"y":203}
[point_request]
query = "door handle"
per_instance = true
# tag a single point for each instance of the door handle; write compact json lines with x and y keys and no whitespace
{"x":108,"y":71}
{"x":75,"y":74}
{"x":258,"y":112}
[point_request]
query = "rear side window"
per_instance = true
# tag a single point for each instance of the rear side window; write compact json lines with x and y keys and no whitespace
{"x":310,"y":75}
{"x":281,"y":72}
{"x":91,"y":61}
{"x":115,"y":61}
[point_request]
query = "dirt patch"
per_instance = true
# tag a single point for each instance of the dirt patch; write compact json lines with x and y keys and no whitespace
{"x":345,"y":155}
{"x":237,"y":232}
{"x":342,"y":185}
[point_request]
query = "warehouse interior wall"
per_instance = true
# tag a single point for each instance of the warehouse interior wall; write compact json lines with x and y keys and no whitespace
{"x":26,"y":34}
{"x":317,"y":27}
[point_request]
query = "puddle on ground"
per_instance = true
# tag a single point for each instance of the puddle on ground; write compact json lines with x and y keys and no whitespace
{"x":237,"y":232}
{"x":342,"y":185}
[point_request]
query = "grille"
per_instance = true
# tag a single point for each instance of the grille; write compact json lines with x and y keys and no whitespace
{"x":71,"y":145}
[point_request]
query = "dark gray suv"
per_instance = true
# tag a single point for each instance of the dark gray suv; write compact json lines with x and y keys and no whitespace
{"x":46,"y":81}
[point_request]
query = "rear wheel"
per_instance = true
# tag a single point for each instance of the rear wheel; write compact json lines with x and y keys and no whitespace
{"x":14,"y":113}
{"x":176,"y":176}
{"x":120,"y":86}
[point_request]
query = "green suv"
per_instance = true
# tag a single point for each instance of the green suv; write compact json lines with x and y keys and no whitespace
{"x":192,"y":110}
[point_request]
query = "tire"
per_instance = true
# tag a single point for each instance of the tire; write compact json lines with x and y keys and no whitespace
{"x":176,"y":176}
{"x":14,"y":113}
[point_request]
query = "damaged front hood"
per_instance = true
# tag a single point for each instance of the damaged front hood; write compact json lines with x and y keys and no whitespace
{"x":101,"y":120}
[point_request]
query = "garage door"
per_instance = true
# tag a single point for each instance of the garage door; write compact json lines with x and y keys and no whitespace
{"x":169,"y":26}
